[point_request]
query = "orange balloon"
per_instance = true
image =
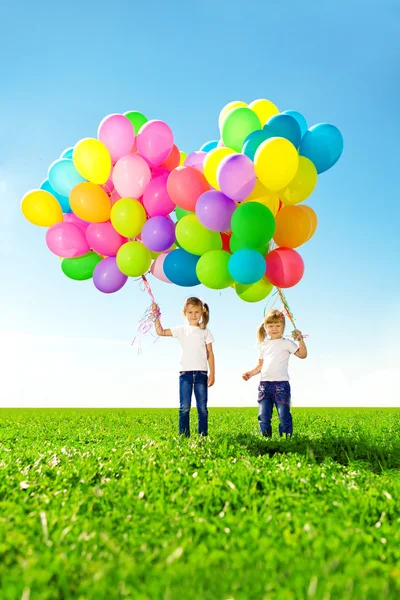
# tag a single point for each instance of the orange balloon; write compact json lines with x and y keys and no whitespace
{"x":173,"y":159}
{"x":313,"y":216}
{"x":90,"y":202}
{"x":293,"y":227}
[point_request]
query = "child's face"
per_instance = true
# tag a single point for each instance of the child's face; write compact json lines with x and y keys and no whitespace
{"x":275,"y":330}
{"x":193,"y":314}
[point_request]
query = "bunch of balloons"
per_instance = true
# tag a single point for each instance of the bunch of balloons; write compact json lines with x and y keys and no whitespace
{"x":129,"y":202}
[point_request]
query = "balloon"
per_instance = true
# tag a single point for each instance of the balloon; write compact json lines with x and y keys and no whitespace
{"x":285,"y":267}
{"x":323,"y":145}
{"x":63,"y":176}
{"x":136,"y":118}
{"x":90,"y":202}
{"x":63,"y":200}
{"x":253,"y":223}
{"x":109,"y":186}
{"x":235,"y":244}
{"x":287,"y":127}
{"x":236,"y":176}
{"x":212,"y":162}
{"x":80,"y":268}
{"x":107,"y":278}
{"x":293,"y":227}
{"x":158,"y":233}
{"x":103,"y":239}
{"x":185,"y":185}
{"x":214,"y":210}
{"x":41,"y":208}
{"x":271,"y":201}
{"x":227,"y":108}
{"x":128,"y":217}
{"x":117,"y":134}
{"x":72,"y":218}
{"x":254,"y":140}
{"x":133,"y":259}
{"x":131,"y":176}
{"x":156,"y":199}
{"x":181,"y":212}
{"x":276,"y":163}
{"x":157,"y":268}
{"x":114,"y":197}
{"x":299,"y":118}
{"x":180,"y":268}
{"x":195,"y":238}
{"x":313,"y":219}
{"x":209,"y":146}
{"x":238,"y":123}
{"x":158,"y":172}
{"x":92,"y":160}
{"x":212,"y":270}
{"x":226,"y":238}
{"x":66,"y":240}
{"x":303,"y":183}
{"x":246,"y":266}
{"x":196,"y":160}
{"x":264,"y":109}
{"x":220,"y":144}
{"x":155,"y":141}
{"x":173,"y":159}
{"x":67,"y":153}
{"x":256,"y":292}
{"x":183,"y":156}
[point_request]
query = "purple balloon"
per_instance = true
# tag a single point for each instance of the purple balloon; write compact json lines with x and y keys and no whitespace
{"x":107,"y":277}
{"x":236,"y":176}
{"x":158,"y":234}
{"x":214,"y":210}
{"x":196,"y":160}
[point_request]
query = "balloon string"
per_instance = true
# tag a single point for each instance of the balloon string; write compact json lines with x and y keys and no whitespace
{"x":286,"y":310}
{"x":149,"y":317}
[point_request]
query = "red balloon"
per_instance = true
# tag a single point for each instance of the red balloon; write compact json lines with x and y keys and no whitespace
{"x":185,"y":186}
{"x":226,"y":238}
{"x":285,"y":267}
{"x":173,"y":159}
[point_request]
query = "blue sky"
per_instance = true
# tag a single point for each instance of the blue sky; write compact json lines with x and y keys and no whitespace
{"x":66,"y":66}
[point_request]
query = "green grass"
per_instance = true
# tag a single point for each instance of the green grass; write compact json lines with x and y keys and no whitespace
{"x":113,"y":504}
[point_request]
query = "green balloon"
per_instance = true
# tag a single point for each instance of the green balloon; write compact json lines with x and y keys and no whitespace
{"x":255,"y":292}
{"x":236,"y":244}
{"x":253,"y":223}
{"x":181,"y":212}
{"x":82,"y":267}
{"x":136,"y":118}
{"x":195,"y":238}
{"x":133,"y":259}
{"x":237,"y":125}
{"x":212,"y":269}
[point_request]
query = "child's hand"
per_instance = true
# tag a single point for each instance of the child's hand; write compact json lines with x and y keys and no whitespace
{"x":247,"y":376}
{"x":298,"y":336}
{"x":155,"y":308}
{"x":211,"y":380}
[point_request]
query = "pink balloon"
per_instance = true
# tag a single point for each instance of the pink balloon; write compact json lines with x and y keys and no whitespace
{"x":66,"y":240}
{"x":108,"y":186}
{"x":158,"y":171}
{"x":117,"y":134}
{"x":72,"y":218}
{"x":157,"y":268}
{"x":285,"y":267}
{"x":103,"y":239}
{"x":156,"y":199}
{"x":114,"y":197}
{"x":155,"y":141}
{"x":236,"y":176}
{"x":196,"y":160}
{"x":131,"y":176}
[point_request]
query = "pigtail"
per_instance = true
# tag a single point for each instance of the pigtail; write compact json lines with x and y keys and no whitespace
{"x":261,"y":333}
{"x":206,"y":316}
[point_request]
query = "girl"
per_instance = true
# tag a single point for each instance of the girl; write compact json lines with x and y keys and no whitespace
{"x":196,"y":343}
{"x":274,"y":388}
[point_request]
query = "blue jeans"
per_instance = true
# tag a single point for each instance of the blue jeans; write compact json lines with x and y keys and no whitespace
{"x":189,"y":381}
{"x":278,"y":393}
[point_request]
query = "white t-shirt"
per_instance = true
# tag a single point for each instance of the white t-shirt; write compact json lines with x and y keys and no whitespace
{"x":275,"y":354}
{"x":193,"y":343}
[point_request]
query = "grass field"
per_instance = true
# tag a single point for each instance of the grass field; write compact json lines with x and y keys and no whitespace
{"x":113,"y":504}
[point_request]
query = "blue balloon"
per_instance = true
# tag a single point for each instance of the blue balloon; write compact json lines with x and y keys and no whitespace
{"x":180,"y":268}
{"x":287,"y":127}
{"x":63,"y":176}
{"x":299,"y":118}
{"x":246,"y":266}
{"x":63,"y":200}
{"x":323,"y":145}
{"x":67,"y":153}
{"x":209,"y":146}
{"x":254,"y":140}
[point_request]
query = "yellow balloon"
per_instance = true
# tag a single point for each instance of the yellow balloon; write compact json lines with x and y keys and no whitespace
{"x":303,"y":183}
{"x":227,"y":108}
{"x":271,"y":201}
{"x":212,"y":162}
{"x":183,"y":157}
{"x":41,"y":208}
{"x":276,"y":163}
{"x":92,"y":160}
{"x":264,"y":109}
{"x":313,"y":218}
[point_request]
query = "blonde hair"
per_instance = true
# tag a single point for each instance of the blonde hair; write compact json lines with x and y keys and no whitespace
{"x":205,"y":311}
{"x":272,"y":316}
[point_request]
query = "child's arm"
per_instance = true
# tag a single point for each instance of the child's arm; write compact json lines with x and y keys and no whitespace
{"x":246,"y":376}
{"x":157,"y":324}
{"x":302,"y":351}
{"x":211,"y":363}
